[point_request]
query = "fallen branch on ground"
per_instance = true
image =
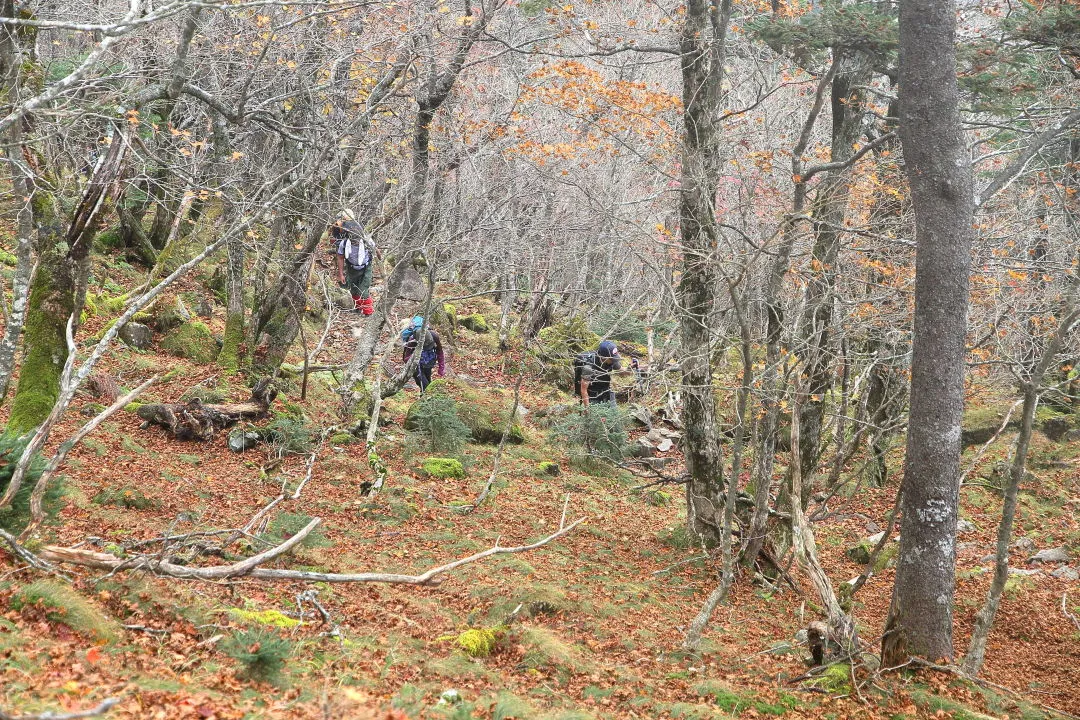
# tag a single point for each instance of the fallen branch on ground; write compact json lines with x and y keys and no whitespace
{"x":23,"y":554}
{"x":1068,"y":614}
{"x":101,"y":709}
{"x":195,"y":420}
{"x":249,"y":568}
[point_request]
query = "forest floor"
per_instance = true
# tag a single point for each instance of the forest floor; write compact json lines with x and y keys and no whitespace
{"x":601,"y":612}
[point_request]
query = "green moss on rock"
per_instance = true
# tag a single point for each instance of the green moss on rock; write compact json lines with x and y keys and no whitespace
{"x":193,"y":341}
{"x":475,"y":322}
{"x":477,"y":642}
{"x":835,"y":679}
{"x":483,"y":410}
{"x":549,"y":468}
{"x":443,"y":467}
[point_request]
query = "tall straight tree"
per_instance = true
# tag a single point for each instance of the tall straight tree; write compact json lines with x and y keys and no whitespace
{"x":702,"y":46}
{"x":939,"y":170}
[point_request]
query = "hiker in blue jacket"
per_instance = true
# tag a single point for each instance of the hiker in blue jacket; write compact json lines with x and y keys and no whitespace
{"x":430,"y":355}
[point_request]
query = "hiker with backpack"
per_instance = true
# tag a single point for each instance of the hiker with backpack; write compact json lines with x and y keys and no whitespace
{"x":431,"y":353}
{"x":592,"y":374}
{"x":355,"y":253}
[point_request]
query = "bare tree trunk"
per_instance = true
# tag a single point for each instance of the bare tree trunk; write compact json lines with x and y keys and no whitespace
{"x":841,"y":627}
{"x":21,"y":188}
{"x":506,"y":304}
{"x":432,"y":91}
{"x":829,"y":210}
{"x":973,"y":659}
{"x":727,"y":554}
{"x":774,"y":381}
{"x":24,"y":273}
{"x":702,"y":51}
{"x":920,"y":621}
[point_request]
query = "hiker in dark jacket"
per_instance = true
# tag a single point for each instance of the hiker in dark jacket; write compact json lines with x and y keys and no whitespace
{"x":354,"y":251}
{"x":430,"y":356}
{"x":592,"y":374}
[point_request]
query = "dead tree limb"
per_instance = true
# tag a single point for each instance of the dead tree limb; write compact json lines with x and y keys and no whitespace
{"x":195,"y":420}
{"x":249,"y":568}
{"x":160,"y":566}
{"x":840,"y":627}
{"x":25,"y":555}
{"x":101,"y":709}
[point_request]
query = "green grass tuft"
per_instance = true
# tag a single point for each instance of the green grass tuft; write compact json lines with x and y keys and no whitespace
{"x":67,"y":607}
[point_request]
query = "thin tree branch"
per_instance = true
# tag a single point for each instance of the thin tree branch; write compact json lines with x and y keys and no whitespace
{"x":250,"y":569}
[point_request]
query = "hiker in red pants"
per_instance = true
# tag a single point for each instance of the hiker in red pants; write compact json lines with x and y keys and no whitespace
{"x":355,"y":253}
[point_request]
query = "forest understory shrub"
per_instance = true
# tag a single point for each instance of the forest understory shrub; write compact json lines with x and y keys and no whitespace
{"x":596,"y":433}
{"x":437,"y":424}
{"x":261,"y":652}
{"x":15,"y":516}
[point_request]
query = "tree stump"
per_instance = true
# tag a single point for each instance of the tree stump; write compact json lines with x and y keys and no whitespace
{"x":196,"y":420}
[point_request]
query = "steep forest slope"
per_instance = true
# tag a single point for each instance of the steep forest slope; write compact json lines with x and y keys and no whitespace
{"x":588,"y":625}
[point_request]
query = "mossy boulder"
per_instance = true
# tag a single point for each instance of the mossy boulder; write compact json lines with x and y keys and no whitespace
{"x":836,"y":679}
{"x":862,"y":552}
{"x":549,"y":468}
{"x":63,"y":605}
{"x":558,"y":344}
{"x":475,"y":322}
{"x":483,"y":410}
{"x":170,"y":314}
{"x":193,"y":341}
{"x":450,"y":312}
{"x":444,"y":468}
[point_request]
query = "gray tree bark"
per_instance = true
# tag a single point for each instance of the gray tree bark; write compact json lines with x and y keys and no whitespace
{"x":920,"y":620}
{"x":702,"y":52}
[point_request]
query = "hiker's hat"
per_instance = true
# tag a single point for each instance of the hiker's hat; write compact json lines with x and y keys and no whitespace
{"x":608,"y":349}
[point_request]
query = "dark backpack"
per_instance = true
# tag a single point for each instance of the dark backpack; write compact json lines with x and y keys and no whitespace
{"x":348,"y":229}
{"x":582,"y":360}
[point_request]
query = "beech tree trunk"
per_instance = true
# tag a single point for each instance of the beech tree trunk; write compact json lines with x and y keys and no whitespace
{"x":58,"y":290}
{"x":829,"y":210}
{"x":701,"y":45}
{"x":24,"y":222}
{"x":920,"y":621}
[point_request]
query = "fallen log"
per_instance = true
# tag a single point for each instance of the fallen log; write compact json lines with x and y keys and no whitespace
{"x":196,"y":420}
{"x":250,"y":569}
